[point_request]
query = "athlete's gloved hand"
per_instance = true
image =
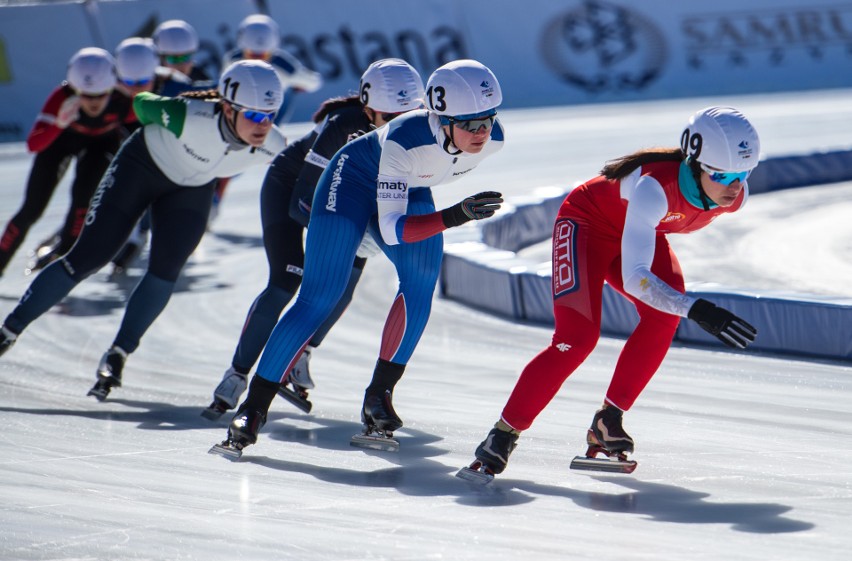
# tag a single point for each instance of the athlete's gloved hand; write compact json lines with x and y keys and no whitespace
{"x":728,"y":328}
{"x":68,"y":112}
{"x":475,"y":207}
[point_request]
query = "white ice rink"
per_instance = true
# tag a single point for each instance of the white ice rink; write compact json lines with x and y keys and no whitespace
{"x":741,"y":456}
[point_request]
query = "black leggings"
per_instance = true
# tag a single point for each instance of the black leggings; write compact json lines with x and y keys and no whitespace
{"x":93,"y":154}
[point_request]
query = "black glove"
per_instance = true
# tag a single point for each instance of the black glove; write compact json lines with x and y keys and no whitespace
{"x":728,"y":328}
{"x":475,"y":207}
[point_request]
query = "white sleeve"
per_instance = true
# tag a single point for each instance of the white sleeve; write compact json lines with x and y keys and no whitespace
{"x":646,"y":207}
{"x":392,"y":189}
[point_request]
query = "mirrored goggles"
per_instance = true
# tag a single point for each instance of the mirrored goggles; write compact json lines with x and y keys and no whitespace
{"x":178,"y":59}
{"x":725,"y":177}
{"x":256,"y":116}
{"x":473,"y":125}
{"x":135,"y":83}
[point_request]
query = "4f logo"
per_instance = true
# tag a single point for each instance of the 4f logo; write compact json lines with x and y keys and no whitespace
{"x":564,"y":258}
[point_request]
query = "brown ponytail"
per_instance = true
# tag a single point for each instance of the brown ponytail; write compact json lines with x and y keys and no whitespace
{"x":620,"y":168}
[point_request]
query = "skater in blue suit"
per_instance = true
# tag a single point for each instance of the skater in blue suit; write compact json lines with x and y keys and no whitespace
{"x":380,"y":185}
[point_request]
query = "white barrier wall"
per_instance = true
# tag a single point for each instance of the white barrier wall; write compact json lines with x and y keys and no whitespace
{"x":545,"y":52}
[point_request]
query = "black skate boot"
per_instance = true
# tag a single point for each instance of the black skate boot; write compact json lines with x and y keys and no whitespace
{"x":242,"y":432}
{"x":606,"y":436}
{"x":492,"y":454}
{"x":380,"y":420}
{"x":250,"y":418}
{"x":7,"y":339}
{"x":46,"y":253}
{"x":109,"y":373}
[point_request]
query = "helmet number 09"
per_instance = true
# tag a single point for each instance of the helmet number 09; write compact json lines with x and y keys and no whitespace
{"x":436,"y":97}
{"x":233,"y":87}
{"x":691,"y":143}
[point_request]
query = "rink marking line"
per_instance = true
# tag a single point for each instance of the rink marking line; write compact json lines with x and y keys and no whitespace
{"x":92,"y":456}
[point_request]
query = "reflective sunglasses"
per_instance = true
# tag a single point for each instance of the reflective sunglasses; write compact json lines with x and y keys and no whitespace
{"x":134,"y":83}
{"x":473,"y":125}
{"x":256,"y":116}
{"x":178,"y":59}
{"x":725,"y":177}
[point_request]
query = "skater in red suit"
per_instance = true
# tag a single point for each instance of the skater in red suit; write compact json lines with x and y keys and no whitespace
{"x":613,"y":228}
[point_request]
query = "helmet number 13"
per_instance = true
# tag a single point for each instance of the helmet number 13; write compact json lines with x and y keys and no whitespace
{"x":436,"y":97}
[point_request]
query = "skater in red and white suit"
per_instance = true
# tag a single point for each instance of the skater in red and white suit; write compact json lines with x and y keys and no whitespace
{"x":613,"y":228}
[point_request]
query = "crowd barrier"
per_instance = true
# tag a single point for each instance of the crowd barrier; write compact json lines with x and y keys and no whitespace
{"x":481,"y":268}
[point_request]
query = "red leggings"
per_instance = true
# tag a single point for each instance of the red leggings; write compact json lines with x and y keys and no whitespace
{"x":582,"y":261}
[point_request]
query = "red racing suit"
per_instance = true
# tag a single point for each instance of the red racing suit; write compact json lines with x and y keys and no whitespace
{"x":590,"y":247}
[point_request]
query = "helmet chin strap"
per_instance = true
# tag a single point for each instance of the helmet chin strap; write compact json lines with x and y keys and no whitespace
{"x":450,"y":139}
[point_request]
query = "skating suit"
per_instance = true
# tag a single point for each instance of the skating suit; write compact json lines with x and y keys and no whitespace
{"x":381,"y":182}
{"x":93,"y":141}
{"x":169,"y":165}
{"x":290,"y":183}
{"x":615,"y":231}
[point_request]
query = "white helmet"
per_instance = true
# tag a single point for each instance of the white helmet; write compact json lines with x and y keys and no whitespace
{"x":136,"y":59}
{"x":463,"y":89}
{"x":252,"y":84}
{"x":721,"y":138}
{"x":91,"y":71}
{"x":258,"y":34}
{"x":175,"y":37}
{"x":391,"y":85}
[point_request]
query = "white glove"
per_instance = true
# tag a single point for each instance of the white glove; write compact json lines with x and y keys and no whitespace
{"x":68,"y":112}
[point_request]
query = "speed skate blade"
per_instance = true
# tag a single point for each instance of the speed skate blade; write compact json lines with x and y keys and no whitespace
{"x":475,"y":476}
{"x":370,"y":442}
{"x":295,"y":399}
{"x":228,"y":452}
{"x":584,"y":463}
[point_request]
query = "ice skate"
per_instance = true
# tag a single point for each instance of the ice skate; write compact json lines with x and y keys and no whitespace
{"x":380,"y":420}
{"x":606,"y":436}
{"x":44,"y":255}
{"x":492,"y":455}
{"x":295,"y":387}
{"x":227,"y":394}
{"x":242,"y":432}
{"x":7,"y":339}
{"x":109,"y":373}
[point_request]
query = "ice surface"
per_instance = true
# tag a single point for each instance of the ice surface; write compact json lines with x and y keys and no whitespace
{"x":741,"y":456}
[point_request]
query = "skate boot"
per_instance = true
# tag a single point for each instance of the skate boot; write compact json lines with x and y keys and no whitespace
{"x":109,"y":373}
{"x":227,"y":393}
{"x":606,"y":436}
{"x":380,"y":420}
{"x":7,"y":339}
{"x":43,"y":254}
{"x":492,"y":454}
{"x":242,"y":432}
{"x":300,"y":380}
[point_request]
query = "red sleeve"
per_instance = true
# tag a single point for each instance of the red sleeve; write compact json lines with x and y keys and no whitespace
{"x":45,"y":131}
{"x":422,"y":226}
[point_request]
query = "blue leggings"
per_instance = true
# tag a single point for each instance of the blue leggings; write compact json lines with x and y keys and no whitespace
{"x":333,"y":239}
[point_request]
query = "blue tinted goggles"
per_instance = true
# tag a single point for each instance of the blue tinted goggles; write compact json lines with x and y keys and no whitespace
{"x":725,"y":177}
{"x":134,"y":83}
{"x":256,"y":116}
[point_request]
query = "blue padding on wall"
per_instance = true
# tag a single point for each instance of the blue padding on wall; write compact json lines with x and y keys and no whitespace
{"x":801,"y":171}
{"x":488,"y":275}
